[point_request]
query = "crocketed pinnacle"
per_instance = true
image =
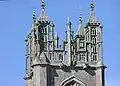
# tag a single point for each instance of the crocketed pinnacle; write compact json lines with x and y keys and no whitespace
{"x":92,"y":18}
{"x":80,"y":30}
{"x":43,"y":16}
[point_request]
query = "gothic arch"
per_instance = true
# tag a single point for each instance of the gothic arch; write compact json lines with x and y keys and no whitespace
{"x":72,"y":81}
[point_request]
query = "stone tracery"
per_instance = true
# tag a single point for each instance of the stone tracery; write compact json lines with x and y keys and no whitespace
{"x":72,"y":81}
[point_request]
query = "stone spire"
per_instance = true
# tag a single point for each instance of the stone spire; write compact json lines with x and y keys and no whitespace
{"x":69,"y":41}
{"x":80,"y":30}
{"x":92,"y":18}
{"x":43,"y":16}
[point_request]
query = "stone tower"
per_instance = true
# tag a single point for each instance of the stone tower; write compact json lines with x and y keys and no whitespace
{"x":77,"y":62}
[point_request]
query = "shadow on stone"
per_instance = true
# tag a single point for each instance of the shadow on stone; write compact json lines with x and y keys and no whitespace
{"x":90,"y":71}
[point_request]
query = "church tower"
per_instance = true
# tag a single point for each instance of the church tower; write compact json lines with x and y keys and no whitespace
{"x":77,"y":62}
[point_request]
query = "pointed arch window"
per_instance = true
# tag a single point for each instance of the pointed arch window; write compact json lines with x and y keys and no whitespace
{"x":93,"y":31}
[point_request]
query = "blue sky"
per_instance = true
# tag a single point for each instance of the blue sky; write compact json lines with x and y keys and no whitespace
{"x":16,"y":20}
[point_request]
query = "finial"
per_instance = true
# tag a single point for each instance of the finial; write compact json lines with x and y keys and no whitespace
{"x":68,"y":18}
{"x":69,"y":22}
{"x":34,"y":15}
{"x":92,"y":5}
{"x":80,"y":18}
{"x":52,"y":24}
{"x":56,"y":34}
{"x":43,"y":4}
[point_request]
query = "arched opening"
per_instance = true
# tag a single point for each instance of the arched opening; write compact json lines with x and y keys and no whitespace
{"x":72,"y":81}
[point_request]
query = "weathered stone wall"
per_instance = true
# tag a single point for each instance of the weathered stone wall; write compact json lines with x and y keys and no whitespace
{"x":60,"y":75}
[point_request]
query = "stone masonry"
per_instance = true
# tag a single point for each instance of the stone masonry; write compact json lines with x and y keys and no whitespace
{"x":78,"y":61}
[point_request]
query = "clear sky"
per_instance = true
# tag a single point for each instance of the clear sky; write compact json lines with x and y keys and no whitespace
{"x":16,"y":20}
